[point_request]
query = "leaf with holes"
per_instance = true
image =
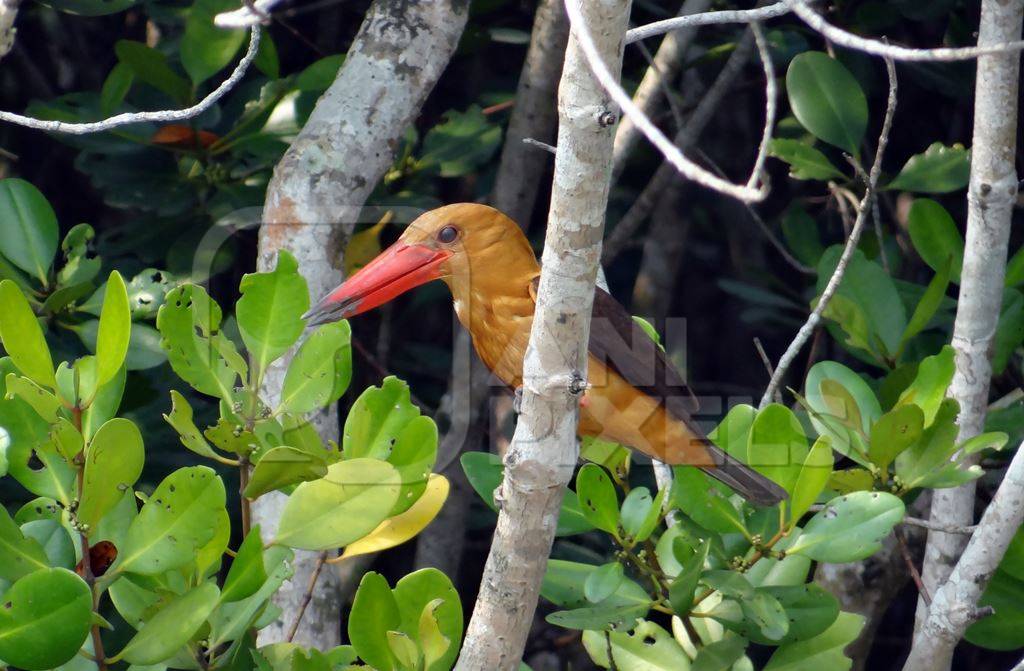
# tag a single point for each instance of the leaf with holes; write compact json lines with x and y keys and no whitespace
{"x":849,"y":528}
{"x":113,"y":463}
{"x":320,"y":371}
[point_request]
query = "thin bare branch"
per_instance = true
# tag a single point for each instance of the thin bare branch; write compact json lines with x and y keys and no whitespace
{"x":162,"y":116}
{"x":252,"y":13}
{"x":863,"y":211}
{"x":308,"y":596}
{"x":706,"y":19}
{"x":846,"y":39}
{"x":540,"y":145}
{"x":671,"y":152}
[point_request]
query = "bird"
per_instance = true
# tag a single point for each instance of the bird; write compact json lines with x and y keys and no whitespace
{"x":634,"y":396}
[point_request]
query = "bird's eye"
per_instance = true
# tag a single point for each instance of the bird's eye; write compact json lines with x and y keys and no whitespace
{"x":447,"y":234}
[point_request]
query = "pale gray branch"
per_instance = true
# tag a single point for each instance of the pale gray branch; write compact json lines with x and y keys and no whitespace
{"x":863,"y":211}
{"x":244,"y":16}
{"x":668,"y":149}
{"x":312,"y":205}
{"x":128,"y":118}
{"x":541,"y":459}
{"x":876,"y":48}
{"x":707,"y":19}
{"x":8,"y":12}
{"x":991,"y":196}
{"x":954,"y":606}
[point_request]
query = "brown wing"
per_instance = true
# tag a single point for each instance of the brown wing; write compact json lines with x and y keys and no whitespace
{"x":621,"y":344}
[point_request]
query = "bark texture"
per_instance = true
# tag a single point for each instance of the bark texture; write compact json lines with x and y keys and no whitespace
{"x":311,"y":207}
{"x":543,"y":454}
{"x":990,"y":199}
{"x":8,"y":12}
{"x":516,"y":188}
{"x":955,"y":604}
{"x":534,"y":115}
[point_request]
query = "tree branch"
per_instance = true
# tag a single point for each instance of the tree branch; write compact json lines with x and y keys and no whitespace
{"x":312,"y":205}
{"x":863,"y":211}
{"x":991,"y":197}
{"x":954,"y":605}
{"x":8,"y":12}
{"x":707,"y":19}
{"x":543,"y":454}
{"x":128,"y":118}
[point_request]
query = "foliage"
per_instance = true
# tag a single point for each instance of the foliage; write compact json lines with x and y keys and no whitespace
{"x":84,"y":545}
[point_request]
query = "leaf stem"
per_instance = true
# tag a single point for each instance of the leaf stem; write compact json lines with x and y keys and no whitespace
{"x":87,"y":574}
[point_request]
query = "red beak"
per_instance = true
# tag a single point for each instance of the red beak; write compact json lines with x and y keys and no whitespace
{"x":399,"y":268}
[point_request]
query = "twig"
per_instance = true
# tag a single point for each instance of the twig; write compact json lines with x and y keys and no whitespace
{"x":706,"y":19}
{"x":308,"y":596}
{"x":876,"y":48}
{"x":876,"y":214}
{"x":767,"y":364}
{"x":660,"y":81}
{"x":252,"y":13}
{"x":851,"y":244}
{"x":540,"y":145}
{"x":128,"y":118}
{"x":771,"y":95}
{"x":915,"y":575}
{"x":638,"y":212}
{"x":671,"y":152}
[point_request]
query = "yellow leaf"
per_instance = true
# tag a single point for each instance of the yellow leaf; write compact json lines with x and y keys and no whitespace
{"x":400,"y":528}
{"x":364,"y":246}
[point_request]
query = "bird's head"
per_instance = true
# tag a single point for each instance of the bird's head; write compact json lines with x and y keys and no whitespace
{"x":456,"y":243}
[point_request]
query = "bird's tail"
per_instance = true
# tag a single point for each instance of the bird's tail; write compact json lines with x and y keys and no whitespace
{"x":747,"y":482}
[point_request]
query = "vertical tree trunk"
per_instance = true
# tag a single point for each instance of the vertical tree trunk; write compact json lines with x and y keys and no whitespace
{"x":8,"y":12}
{"x":990,"y":199}
{"x":515,"y":193}
{"x":543,"y":453}
{"x":316,"y":192}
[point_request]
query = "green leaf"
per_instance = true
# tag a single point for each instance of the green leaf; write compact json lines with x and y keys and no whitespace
{"x":809,"y":609}
{"x":849,"y":528}
{"x":180,"y":419}
{"x":106,"y":401}
{"x":936,"y":237}
{"x":893,"y":433}
{"x":940,"y":169}
{"x":1015,"y":269}
{"x":680,"y":592}
{"x":1001,"y":630}
{"x":230,"y":620}
{"x":929,"y":304}
{"x":114,"y":330}
{"x":24,"y":437}
{"x":867,"y":285}
{"x":247,"y":573}
{"x":431,"y":640}
{"x":398,"y":529}
{"x":43,"y":402}
{"x":209,"y":555}
{"x":867,"y":406}
{"x":28,"y":228}
{"x":805,"y":161}
{"x":45,"y":619}
{"x":827,"y":100}
{"x":189,"y":323}
{"x":171,"y":627}
{"x":703,"y":501}
{"x":778,"y":445}
{"x":55,"y":541}
{"x":597,"y":497}
{"x":321,"y":370}
{"x":720,"y":655}
{"x":376,"y":420}
{"x":179,"y":517}
{"x":598,"y":617}
{"x":419,"y":592}
{"x":22,"y":337}
{"x":603,"y":582}
{"x":824,"y":651}
{"x":283,"y":466}
{"x":205,"y":48}
{"x":647,"y":647}
{"x":461,"y":144}
{"x":801,"y":233}
{"x":115,"y":88}
{"x":90,"y":7}
{"x":813,"y":476}
{"x":150,"y":66}
{"x":766,"y":613}
{"x":349,"y":502}
{"x":935,"y":448}
{"x":317,"y":77}
{"x":928,"y":389}
{"x":113,"y":462}
{"x":19,"y":555}
{"x":374,"y":613}
{"x":270,"y":310}
{"x":565,"y":586}
{"x":993,"y":440}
